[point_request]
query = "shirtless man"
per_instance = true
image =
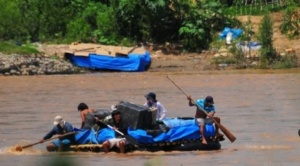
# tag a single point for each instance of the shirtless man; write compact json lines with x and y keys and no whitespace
{"x":87,"y":117}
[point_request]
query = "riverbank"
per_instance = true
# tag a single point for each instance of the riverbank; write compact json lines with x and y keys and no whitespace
{"x":37,"y":64}
{"x":51,"y":61}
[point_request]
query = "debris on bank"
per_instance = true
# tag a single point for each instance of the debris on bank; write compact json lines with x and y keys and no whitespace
{"x":35,"y":65}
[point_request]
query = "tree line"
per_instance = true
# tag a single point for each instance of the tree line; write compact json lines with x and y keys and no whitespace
{"x":192,"y":23}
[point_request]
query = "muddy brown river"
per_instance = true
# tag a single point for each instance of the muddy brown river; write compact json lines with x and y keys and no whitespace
{"x":261,"y":109}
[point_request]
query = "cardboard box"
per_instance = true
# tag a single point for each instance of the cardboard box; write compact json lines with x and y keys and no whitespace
{"x":135,"y":116}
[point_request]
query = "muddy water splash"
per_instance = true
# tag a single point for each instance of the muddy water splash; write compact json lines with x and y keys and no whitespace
{"x":261,"y":110}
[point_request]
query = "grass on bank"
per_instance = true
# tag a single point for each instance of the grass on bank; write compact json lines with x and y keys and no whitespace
{"x":17,"y":48}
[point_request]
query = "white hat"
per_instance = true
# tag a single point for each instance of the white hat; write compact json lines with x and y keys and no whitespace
{"x":57,"y":120}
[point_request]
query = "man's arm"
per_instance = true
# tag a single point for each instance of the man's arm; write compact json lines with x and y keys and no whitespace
{"x":50,"y":134}
{"x":212,"y":111}
{"x":82,"y":115}
{"x":191,"y":102}
{"x":211,"y":114}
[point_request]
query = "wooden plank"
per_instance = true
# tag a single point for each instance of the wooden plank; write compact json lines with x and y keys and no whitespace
{"x":87,"y":146}
{"x":83,"y":46}
{"x":81,"y":53}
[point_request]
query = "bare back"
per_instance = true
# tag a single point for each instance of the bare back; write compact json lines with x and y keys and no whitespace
{"x":84,"y":113}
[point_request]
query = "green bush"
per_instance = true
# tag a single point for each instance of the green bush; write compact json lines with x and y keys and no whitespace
{"x":291,"y":24}
{"x":238,"y":55}
{"x":224,"y":60}
{"x":79,"y":30}
{"x":288,"y":61}
{"x":15,"y":48}
{"x":201,"y":22}
{"x":267,"y":52}
{"x":107,"y":27}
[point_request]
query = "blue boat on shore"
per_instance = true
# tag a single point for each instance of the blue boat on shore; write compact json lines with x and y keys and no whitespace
{"x":116,"y":60}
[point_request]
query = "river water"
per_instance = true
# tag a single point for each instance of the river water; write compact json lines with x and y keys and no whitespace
{"x":260,"y":109}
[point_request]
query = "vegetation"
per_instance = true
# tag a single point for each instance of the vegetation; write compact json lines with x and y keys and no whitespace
{"x":269,"y":58}
{"x":291,"y":23}
{"x":201,"y":23}
{"x":16,"y":48}
{"x":190,"y":23}
{"x":267,"y":51}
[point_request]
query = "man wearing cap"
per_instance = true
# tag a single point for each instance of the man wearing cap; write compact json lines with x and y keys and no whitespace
{"x":61,"y":127}
{"x":201,"y":117}
{"x":152,"y":102}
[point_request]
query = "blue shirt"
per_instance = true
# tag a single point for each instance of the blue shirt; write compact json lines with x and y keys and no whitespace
{"x":58,"y":130}
{"x":200,"y":103}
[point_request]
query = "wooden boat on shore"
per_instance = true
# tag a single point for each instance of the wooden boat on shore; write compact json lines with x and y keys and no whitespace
{"x":101,"y":57}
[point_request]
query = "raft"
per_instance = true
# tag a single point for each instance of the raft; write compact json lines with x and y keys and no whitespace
{"x":171,"y":134}
{"x":184,"y":145}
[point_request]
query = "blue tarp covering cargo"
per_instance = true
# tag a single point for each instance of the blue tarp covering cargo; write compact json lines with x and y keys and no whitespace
{"x":187,"y":131}
{"x":130,"y":62}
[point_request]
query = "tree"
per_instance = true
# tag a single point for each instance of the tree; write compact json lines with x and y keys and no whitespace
{"x":10,"y":24}
{"x":267,"y":52}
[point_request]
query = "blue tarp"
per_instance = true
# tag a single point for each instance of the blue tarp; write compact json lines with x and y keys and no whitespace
{"x":251,"y":45}
{"x":92,"y":137}
{"x":189,"y":131}
{"x":174,"y":122}
{"x":235,"y":32}
{"x":132,"y":62}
